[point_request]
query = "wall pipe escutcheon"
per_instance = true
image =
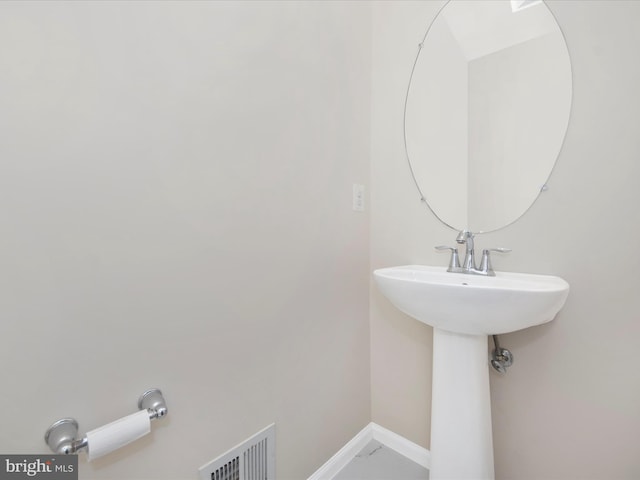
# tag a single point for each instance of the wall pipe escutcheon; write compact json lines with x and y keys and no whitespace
{"x":61,"y":436}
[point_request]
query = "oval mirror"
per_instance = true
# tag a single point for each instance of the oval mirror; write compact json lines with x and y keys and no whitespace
{"x":487,"y":109}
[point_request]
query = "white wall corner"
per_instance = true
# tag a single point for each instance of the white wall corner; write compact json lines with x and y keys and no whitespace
{"x":405,"y":447}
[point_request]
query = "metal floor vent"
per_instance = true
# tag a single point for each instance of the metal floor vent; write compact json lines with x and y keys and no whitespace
{"x":253,"y":459}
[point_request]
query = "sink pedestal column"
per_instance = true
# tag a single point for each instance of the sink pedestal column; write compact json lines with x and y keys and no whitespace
{"x":461,"y":438}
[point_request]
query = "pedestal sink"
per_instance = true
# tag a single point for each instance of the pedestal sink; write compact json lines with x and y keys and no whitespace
{"x":464,"y":310}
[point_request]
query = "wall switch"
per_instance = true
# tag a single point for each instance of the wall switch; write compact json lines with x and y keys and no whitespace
{"x":358,"y":197}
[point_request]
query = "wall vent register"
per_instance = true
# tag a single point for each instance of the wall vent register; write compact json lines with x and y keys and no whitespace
{"x":253,"y":459}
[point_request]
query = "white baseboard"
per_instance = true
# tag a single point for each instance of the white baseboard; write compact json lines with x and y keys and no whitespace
{"x":412,"y":451}
{"x":347,"y":453}
{"x":405,"y":447}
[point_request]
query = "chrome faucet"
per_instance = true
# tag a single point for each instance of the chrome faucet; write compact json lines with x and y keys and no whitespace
{"x":466,"y":237}
{"x":469,"y":264}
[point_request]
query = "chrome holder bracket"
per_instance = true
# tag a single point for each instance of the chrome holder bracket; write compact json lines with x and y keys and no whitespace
{"x":61,"y":436}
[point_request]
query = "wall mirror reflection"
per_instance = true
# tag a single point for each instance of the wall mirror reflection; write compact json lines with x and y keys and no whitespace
{"x":487,"y":109}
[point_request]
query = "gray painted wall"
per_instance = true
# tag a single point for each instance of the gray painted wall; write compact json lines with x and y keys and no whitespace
{"x":175,"y":196}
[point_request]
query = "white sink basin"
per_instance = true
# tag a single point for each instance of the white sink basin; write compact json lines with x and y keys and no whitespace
{"x":464,"y":309}
{"x":473,"y":304}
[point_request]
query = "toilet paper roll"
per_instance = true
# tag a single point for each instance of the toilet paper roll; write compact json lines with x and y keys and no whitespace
{"x":117,"y":434}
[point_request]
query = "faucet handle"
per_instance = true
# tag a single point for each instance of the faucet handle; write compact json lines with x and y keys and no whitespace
{"x":454,"y":263}
{"x":499,"y":250}
{"x":485,"y":264}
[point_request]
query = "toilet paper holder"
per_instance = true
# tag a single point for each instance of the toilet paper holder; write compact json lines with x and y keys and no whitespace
{"x":61,"y":435}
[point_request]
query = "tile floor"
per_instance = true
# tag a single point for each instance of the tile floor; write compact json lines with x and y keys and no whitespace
{"x":378,"y":462}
